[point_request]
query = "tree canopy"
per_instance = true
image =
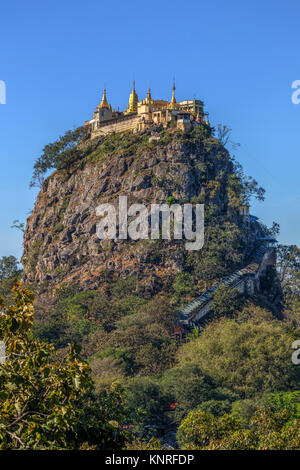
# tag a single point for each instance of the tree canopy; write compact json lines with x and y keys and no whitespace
{"x":59,"y":154}
{"x":268,"y":430}
{"x":47,"y":402}
{"x":248,"y":358}
{"x":8,"y":267}
{"x":226,"y":300}
{"x":10,"y":272}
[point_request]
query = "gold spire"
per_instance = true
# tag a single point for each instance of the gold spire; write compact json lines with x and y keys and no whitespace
{"x":133,"y":101}
{"x":104,"y":103}
{"x":173,"y":103}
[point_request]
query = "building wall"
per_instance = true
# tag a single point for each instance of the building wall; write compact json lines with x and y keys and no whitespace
{"x":202,"y":312}
{"x":122,"y":125}
{"x":139,"y":121}
{"x":184,"y":125}
{"x":103,"y":115}
{"x":269,"y":259}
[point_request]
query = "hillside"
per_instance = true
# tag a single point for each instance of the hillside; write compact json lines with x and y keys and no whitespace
{"x":61,"y":244}
{"x":118,"y":301}
{"x":93,"y":292}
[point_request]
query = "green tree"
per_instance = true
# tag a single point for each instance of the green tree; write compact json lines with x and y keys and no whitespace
{"x":145,"y":444}
{"x":288,"y":266}
{"x":198,"y":429}
{"x":284,"y":400}
{"x":249,"y":186}
{"x":268,"y":430}
{"x":253,"y":313}
{"x":45,"y":403}
{"x":146,"y":405}
{"x":183,"y":284}
{"x":222,"y":251}
{"x":18,"y":225}
{"x":148,"y":335}
{"x":9,"y":275}
{"x":247,"y":358}
{"x":60,"y":154}
{"x":8,"y":267}
{"x":189,"y":387}
{"x":226,"y":301}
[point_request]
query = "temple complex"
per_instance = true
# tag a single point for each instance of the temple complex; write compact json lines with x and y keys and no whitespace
{"x":139,"y":115}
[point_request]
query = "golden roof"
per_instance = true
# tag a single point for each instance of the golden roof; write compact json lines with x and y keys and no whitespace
{"x":104,"y":103}
{"x":133,"y":101}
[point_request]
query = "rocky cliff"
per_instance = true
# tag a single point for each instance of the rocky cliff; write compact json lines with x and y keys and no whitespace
{"x":60,"y":242}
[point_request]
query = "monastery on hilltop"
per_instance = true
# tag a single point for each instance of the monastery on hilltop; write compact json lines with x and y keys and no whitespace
{"x":142,"y":114}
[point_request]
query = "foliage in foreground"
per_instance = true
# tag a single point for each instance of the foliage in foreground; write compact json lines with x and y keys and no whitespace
{"x":268,"y":430}
{"x":246,"y":357}
{"x":47,"y":402}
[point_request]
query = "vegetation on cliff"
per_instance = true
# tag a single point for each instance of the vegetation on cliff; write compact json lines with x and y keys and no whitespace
{"x":231,"y":387}
{"x":117,"y":302}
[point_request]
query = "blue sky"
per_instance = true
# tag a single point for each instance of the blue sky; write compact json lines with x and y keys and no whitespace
{"x":240,"y":58}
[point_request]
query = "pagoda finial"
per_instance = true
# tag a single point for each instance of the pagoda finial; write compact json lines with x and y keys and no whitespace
{"x":133,"y":101}
{"x":173,"y":102}
{"x":148,"y":98}
{"x":104,"y":103}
